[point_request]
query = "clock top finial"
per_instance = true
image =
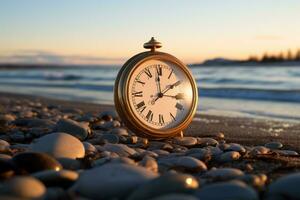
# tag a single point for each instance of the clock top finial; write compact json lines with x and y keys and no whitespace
{"x":152,"y":44}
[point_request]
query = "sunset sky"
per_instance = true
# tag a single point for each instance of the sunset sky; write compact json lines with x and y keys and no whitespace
{"x":110,"y":32}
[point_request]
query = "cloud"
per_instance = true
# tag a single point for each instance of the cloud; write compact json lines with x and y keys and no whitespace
{"x":45,"y":57}
{"x":268,"y":37}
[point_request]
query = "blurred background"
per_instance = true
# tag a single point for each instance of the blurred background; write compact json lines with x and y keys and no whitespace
{"x":245,"y":55}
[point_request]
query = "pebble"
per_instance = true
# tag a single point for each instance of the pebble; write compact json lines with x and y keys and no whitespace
{"x":34,"y":122}
{"x":111,"y":181}
{"x":165,"y":184}
{"x":149,"y":163}
{"x":17,"y":136}
{"x":227,"y":191}
{"x":119,"y":131}
{"x":235,"y":147}
{"x":161,"y":152}
{"x":109,"y":138}
{"x":274,"y":145}
{"x":89,"y":148}
{"x":223,"y":173}
{"x":62,"y":178}
{"x":70,"y":163}
{"x":185,"y":141}
{"x":110,"y":125}
{"x":207,"y":142}
{"x":6,"y":119}
{"x":59,"y":145}
{"x":79,"y":130}
{"x":5,"y":156}
{"x":287,"y":152}
{"x":30,"y":162}
{"x":229,"y":156}
{"x":286,"y":187}
{"x":200,"y":154}
{"x":260,"y":150}
{"x":108,"y":115}
{"x":6,"y":169}
{"x":185,"y":163}
{"x":176,"y":196}
{"x":120,"y":149}
{"x":4,"y":145}
{"x":24,"y":187}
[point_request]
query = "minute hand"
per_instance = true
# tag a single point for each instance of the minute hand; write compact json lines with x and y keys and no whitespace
{"x":171,"y":87}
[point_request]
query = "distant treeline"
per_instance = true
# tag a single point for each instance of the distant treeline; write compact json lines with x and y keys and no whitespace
{"x":280,"y":57}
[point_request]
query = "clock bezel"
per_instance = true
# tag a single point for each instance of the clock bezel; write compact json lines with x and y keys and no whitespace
{"x":122,"y":97}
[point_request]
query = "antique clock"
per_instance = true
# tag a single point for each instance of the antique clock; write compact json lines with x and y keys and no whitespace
{"x":155,"y":94}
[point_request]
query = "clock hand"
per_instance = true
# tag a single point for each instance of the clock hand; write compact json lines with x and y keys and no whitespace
{"x":177,"y":96}
{"x":158,"y":81}
{"x":160,"y":95}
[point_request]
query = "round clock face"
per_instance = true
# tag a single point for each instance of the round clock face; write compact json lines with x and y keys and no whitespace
{"x":160,"y":94}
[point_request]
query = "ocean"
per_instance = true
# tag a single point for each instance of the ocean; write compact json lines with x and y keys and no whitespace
{"x":259,"y":92}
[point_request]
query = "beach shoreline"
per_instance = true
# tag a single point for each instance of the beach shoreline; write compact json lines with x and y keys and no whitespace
{"x":243,"y":130}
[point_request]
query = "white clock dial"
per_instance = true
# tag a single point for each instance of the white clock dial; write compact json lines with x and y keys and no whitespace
{"x":160,"y":94}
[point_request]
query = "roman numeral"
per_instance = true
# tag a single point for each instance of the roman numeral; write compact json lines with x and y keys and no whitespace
{"x":149,"y":115}
{"x":161,"y":119}
{"x":141,"y":82}
{"x":172,"y":116}
{"x":159,"y":70}
{"x":170,"y":74}
{"x":141,"y":106}
{"x":179,"y":106}
{"x":137,"y":94}
{"x":147,"y":71}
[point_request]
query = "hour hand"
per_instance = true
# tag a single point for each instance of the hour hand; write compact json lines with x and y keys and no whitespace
{"x":177,"y":96}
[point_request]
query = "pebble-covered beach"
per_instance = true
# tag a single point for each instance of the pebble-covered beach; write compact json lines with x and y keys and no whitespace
{"x":52,"y":151}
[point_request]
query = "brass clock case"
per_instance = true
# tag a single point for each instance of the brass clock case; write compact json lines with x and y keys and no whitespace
{"x":122,"y":97}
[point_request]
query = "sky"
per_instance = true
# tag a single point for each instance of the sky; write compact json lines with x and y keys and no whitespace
{"x":111,"y":31}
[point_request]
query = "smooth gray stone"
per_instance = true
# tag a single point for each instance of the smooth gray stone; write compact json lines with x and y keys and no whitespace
{"x":57,"y":193}
{"x":176,"y":196}
{"x":17,"y":136}
{"x":35,"y":122}
{"x":119,"y":131}
{"x":120,"y":149}
{"x":223,"y":173}
{"x":59,"y":145}
{"x":183,"y":162}
{"x":88,"y":147}
{"x":286,"y":187}
{"x":5,"y":156}
{"x":199,"y":153}
{"x":274,"y":145}
{"x":259,"y":150}
{"x":79,"y":130}
{"x":165,"y":184}
{"x":111,"y":181}
{"x":185,"y":141}
{"x":111,"y":125}
{"x":149,"y":163}
{"x":229,"y":156}
{"x":4,"y":145}
{"x":235,"y":147}
{"x":161,"y":152}
{"x":227,"y":191}
{"x":61,"y":178}
{"x":108,"y":115}
{"x":24,"y":187}
{"x":287,"y":152}
{"x":31,"y":162}
{"x":70,"y":163}
{"x":207,"y":141}
{"x":109,"y":138}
